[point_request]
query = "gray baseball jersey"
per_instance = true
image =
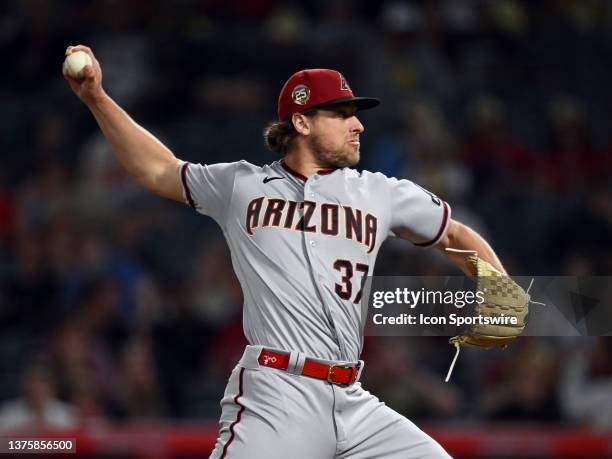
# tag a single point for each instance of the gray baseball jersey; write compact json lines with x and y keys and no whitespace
{"x":302,"y":248}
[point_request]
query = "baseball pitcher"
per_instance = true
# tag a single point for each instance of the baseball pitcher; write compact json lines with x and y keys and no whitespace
{"x":304,"y":233}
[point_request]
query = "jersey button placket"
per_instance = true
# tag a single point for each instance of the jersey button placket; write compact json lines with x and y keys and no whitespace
{"x":314,"y":179}
{"x":311,"y":245}
{"x":309,"y":196}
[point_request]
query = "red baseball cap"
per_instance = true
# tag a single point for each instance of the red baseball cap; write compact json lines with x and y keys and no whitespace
{"x":314,"y":88}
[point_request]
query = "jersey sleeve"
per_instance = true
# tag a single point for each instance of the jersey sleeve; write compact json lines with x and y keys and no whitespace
{"x":209,"y":188}
{"x":417,"y":214}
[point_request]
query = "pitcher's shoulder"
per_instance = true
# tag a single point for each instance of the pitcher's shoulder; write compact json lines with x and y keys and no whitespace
{"x":246,"y":168}
{"x":365,"y":176}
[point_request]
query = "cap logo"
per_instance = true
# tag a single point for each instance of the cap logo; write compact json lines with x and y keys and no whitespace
{"x":300,"y":94}
{"x":343,"y":84}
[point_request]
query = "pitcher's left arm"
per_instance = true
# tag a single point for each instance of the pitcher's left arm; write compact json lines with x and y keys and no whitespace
{"x":460,"y":236}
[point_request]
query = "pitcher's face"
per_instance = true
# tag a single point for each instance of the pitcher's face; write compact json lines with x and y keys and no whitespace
{"x":334,"y":137}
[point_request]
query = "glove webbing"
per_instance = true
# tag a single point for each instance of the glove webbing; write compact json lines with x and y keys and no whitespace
{"x":457,"y":344}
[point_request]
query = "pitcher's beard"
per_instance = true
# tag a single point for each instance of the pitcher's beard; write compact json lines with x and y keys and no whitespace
{"x":346,"y":157}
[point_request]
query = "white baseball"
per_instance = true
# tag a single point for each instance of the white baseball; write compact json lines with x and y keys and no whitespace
{"x":75,"y":62}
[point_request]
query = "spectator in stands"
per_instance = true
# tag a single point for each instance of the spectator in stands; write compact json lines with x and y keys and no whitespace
{"x":586,"y":385}
{"x":524,"y":389}
{"x":139,"y":381}
{"x":569,"y":162}
{"x":584,"y":231}
{"x":496,"y":158}
{"x":37,"y":407}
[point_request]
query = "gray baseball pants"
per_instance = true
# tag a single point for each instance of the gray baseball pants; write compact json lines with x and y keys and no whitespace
{"x":272,"y":414}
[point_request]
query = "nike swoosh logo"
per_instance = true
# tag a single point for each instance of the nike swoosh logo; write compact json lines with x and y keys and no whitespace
{"x":268,"y":179}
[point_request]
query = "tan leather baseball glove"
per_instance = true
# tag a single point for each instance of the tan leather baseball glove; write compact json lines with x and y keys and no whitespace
{"x":502,"y":296}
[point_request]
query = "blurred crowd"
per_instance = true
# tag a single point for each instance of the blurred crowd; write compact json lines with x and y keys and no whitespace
{"x":116,"y":305}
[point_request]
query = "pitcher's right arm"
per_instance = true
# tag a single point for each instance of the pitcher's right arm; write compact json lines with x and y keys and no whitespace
{"x":145,"y":158}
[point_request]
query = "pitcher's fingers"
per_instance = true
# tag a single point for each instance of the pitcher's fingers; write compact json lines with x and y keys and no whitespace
{"x":72,"y":48}
{"x":88,"y":72}
{"x":95,"y":61}
{"x":87,"y":49}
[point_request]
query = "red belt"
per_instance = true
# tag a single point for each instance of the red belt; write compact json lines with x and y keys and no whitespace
{"x":334,"y":374}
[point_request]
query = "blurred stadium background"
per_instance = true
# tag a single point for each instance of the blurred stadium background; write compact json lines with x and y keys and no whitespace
{"x":120,"y":317}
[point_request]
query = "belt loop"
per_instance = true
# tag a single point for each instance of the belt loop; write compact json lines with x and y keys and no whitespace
{"x":298,"y":363}
{"x":250,"y":356}
{"x":360,"y":369}
{"x":293,"y":359}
